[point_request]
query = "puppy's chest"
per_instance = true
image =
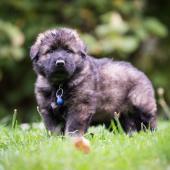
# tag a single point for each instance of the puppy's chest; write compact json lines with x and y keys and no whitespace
{"x":57,"y":99}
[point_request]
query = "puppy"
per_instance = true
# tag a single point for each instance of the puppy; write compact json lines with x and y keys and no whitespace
{"x":74,"y":90}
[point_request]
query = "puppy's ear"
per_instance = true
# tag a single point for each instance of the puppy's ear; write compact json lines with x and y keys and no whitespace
{"x":83,"y":54}
{"x":34,"y":52}
{"x":83,"y":51}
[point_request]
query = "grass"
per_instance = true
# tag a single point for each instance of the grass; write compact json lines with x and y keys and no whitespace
{"x":34,"y":149}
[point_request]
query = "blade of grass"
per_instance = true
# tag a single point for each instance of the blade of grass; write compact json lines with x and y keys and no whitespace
{"x":14,"y":119}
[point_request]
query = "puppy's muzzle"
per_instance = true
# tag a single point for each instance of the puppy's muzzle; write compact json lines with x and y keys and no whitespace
{"x":60,"y":63}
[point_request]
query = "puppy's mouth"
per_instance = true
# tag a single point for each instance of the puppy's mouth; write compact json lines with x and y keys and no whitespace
{"x":60,"y":74}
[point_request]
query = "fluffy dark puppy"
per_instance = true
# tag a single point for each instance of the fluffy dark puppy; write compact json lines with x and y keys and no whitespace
{"x":74,"y":90}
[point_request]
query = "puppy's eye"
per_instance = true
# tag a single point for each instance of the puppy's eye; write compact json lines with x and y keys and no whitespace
{"x":69,"y":50}
{"x":50,"y":51}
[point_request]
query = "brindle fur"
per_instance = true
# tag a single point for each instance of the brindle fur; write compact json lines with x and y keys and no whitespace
{"x":94,"y":89}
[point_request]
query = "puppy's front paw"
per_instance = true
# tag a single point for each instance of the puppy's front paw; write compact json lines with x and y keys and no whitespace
{"x":81,"y":144}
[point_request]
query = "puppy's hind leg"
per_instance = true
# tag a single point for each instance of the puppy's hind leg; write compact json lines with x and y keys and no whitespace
{"x":128,"y":123}
{"x":144,"y":120}
{"x":144,"y":106}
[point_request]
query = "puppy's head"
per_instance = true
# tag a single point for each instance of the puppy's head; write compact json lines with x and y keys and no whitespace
{"x":58,"y":53}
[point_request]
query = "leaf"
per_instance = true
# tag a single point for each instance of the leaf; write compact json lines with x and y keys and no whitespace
{"x":155,"y":27}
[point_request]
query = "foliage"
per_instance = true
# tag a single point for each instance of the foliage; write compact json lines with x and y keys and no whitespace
{"x":33,"y":149}
{"x":119,"y":28}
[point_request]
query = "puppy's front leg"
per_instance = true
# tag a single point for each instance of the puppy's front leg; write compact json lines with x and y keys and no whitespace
{"x":50,"y":121}
{"x":76,"y":125}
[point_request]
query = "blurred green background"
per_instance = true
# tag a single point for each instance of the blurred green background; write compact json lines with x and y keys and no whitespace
{"x":132,"y":30}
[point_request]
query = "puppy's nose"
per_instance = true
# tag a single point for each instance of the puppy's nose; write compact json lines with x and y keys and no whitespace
{"x":60,"y":63}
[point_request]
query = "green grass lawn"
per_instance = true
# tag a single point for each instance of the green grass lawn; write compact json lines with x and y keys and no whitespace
{"x":33,"y":149}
